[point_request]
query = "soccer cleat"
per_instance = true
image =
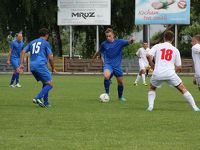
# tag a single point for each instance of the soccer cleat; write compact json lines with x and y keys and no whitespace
{"x":35,"y":101}
{"x":135,"y":84}
{"x":150,"y":109}
{"x":122,"y":99}
{"x":196,"y":109}
{"x":39,"y":102}
{"x":144,"y":84}
{"x":18,"y":85}
{"x":12,"y":86}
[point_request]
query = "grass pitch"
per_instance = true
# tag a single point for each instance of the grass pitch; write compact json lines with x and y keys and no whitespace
{"x":78,"y":121}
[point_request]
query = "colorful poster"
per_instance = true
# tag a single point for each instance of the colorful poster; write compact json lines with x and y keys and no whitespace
{"x":162,"y":11}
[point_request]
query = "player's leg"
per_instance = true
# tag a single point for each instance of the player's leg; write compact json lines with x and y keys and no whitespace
{"x":120,"y":88}
{"x":151,"y":97}
{"x":44,"y":76}
{"x":139,"y":75}
{"x":12,"y":80}
{"x":177,"y":82}
{"x":154,"y":84}
{"x":143,"y":77}
{"x":15,"y":65}
{"x":107,"y":73}
{"x":17,"y":74}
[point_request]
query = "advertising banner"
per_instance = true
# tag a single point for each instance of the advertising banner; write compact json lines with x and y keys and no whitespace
{"x":84,"y":12}
{"x":162,"y":12}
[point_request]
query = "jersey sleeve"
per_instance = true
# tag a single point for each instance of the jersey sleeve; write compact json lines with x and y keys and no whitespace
{"x":124,"y":42}
{"x":138,"y":52}
{"x":101,"y":49}
{"x":152,"y":51}
{"x":27,"y":48}
{"x":196,"y":49}
{"x":11,"y":45}
{"x":178,"y":59}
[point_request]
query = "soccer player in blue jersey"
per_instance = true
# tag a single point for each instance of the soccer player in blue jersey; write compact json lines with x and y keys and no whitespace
{"x":16,"y":47}
{"x":111,"y":50}
{"x":40,"y":54}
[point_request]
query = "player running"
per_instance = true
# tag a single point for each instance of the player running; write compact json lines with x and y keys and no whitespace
{"x":40,"y":53}
{"x":196,"y":58}
{"x":167,"y":57}
{"x":111,"y":50}
{"x":143,"y":63}
{"x":16,"y":47}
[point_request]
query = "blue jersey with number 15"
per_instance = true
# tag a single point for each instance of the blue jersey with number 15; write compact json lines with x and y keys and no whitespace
{"x":39,"y":51}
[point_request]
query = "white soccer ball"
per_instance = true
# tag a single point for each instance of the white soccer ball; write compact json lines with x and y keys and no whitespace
{"x":104,"y":97}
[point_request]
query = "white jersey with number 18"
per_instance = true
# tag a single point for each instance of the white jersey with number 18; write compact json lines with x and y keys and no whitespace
{"x":166,"y":58}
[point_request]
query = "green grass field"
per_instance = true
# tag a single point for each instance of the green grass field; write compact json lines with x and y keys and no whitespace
{"x":78,"y":121}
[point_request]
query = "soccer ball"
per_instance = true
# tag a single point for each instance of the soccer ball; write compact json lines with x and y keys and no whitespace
{"x":104,"y":98}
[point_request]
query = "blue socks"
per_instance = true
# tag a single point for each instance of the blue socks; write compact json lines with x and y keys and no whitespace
{"x":17,"y":78}
{"x":120,"y":89}
{"x":107,"y":85}
{"x":13,"y":79}
{"x":44,"y":92}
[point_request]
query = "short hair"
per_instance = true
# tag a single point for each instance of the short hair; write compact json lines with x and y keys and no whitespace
{"x":168,"y":36}
{"x":43,"y":32}
{"x":108,"y":30}
{"x":197,"y":37}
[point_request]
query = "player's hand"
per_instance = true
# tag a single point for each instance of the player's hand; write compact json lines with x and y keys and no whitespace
{"x":54,"y":71}
{"x":8,"y":62}
{"x":20,"y":69}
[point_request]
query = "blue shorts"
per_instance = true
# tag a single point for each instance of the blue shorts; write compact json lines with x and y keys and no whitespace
{"x":116,"y":71}
{"x":15,"y":62}
{"x":42,"y":74}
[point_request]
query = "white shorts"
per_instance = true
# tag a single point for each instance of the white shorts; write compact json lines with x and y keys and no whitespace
{"x":143,"y":65}
{"x":173,"y":80}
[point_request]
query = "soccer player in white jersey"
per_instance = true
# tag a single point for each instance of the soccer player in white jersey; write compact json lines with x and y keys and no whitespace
{"x":143,"y":63}
{"x":196,"y":58}
{"x":167,"y":63}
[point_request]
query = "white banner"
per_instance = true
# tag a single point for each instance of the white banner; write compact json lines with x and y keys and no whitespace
{"x":84,"y":12}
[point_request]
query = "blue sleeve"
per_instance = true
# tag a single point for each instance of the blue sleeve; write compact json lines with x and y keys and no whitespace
{"x":48,"y":49}
{"x":11,"y":45}
{"x":101,"y":48}
{"x":124,"y":42}
{"x":27,"y":48}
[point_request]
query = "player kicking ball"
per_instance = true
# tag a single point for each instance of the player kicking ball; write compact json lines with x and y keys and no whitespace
{"x":111,"y":50}
{"x":40,"y":53}
{"x":196,"y":58}
{"x":167,"y":57}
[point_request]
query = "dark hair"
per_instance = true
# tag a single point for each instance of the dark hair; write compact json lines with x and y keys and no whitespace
{"x":197,"y":37}
{"x":108,"y":30}
{"x":168,"y":36}
{"x":43,"y":32}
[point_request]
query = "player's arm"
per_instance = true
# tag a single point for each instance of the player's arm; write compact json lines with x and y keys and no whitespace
{"x":150,"y":60}
{"x":9,"y":54}
{"x":178,"y":64}
{"x":51,"y":62}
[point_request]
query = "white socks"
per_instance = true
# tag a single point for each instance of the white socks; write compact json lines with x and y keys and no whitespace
{"x":138,"y":78}
{"x":143,"y":78}
{"x":190,"y":99}
{"x":151,"y":98}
